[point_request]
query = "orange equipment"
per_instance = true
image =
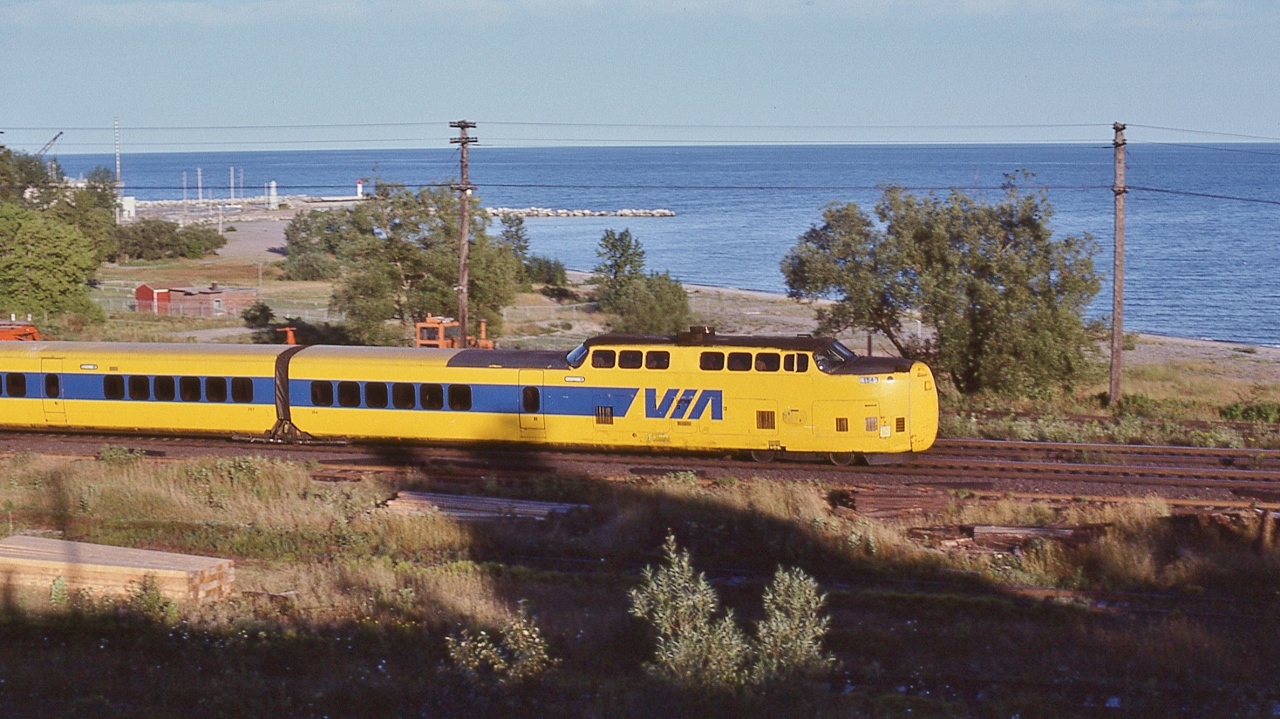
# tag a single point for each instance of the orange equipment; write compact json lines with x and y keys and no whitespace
{"x":443,"y":333}
{"x":290,"y":334}
{"x":19,"y":332}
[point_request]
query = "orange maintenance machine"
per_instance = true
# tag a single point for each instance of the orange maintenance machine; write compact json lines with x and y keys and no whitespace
{"x":19,"y":332}
{"x":445,"y":333}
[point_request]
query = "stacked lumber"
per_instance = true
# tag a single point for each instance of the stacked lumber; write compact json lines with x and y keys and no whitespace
{"x":467,"y":507}
{"x":893,"y":501}
{"x":38,"y":562}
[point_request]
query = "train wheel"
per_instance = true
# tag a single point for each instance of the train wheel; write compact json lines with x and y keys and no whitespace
{"x":841,"y":459}
{"x":763,"y":456}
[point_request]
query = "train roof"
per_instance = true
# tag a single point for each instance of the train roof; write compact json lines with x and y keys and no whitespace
{"x":708,"y":338}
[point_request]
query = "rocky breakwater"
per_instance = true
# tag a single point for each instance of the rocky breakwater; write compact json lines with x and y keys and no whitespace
{"x":548,"y":212}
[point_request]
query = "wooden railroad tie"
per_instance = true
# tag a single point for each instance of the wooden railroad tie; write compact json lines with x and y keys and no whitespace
{"x":39,"y":562}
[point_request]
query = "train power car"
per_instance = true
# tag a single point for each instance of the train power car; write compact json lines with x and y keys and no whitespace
{"x":692,"y":392}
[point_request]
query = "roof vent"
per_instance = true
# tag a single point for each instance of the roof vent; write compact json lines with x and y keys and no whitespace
{"x":697,"y":335}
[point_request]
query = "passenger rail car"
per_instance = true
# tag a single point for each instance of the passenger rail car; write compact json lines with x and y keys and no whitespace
{"x":694,"y":392}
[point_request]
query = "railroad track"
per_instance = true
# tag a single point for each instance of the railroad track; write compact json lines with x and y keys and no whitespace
{"x":1229,"y":476}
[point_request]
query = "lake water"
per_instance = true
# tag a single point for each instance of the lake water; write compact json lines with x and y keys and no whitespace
{"x":1195,"y":266}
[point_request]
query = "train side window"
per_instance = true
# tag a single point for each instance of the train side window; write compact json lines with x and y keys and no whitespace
{"x":51,"y":388}
{"x":603,"y":359}
{"x":768,"y":362}
{"x":15,"y":383}
{"x":321,"y":394}
{"x":402,"y":396}
{"x":739,"y":361}
{"x":802,"y":363}
{"x":711,"y":361}
{"x":630,"y":359}
{"x":139,"y":387}
{"x":215,"y":389}
{"x":657,"y":359}
{"x":188,"y":389}
{"x":165,"y":389}
{"x":530,"y":399}
{"x":432,"y":396}
{"x":241,"y":389}
{"x":1,"y":384}
{"x":113,"y":386}
{"x":349,"y":394}
{"x":375,"y":395}
{"x":460,"y":397}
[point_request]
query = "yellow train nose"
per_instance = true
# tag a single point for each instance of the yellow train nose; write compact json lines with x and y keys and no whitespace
{"x":924,"y":408}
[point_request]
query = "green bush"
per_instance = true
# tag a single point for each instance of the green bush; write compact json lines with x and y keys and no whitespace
{"x":160,"y":240}
{"x":520,"y":655}
{"x":1252,"y":412}
{"x":695,"y":649}
{"x":546,"y":270}
{"x":258,"y":315}
{"x":310,"y":267}
{"x":654,"y":304}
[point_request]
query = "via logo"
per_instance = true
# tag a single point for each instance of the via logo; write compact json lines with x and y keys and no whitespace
{"x":683,"y":401}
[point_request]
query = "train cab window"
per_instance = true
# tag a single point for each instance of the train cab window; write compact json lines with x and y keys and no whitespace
{"x":215,"y":389}
{"x":139,"y":387}
{"x":796,"y":363}
{"x":402,"y":396}
{"x":113,"y":386}
{"x":321,"y":394}
{"x":432,"y":396}
{"x":711,"y":361}
{"x":165,"y":389}
{"x":739,"y":361}
{"x":530,"y":400}
{"x":241,"y":389}
{"x":348,"y":394}
{"x":630,"y":359}
{"x":375,"y":395}
{"x":830,"y":358}
{"x":189,"y":389}
{"x":603,"y":359}
{"x":51,"y":388}
{"x":768,"y":362}
{"x":460,"y":397}
{"x":15,"y":384}
{"x":657,"y":359}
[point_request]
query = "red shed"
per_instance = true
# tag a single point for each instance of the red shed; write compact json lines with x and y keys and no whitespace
{"x":211,"y":301}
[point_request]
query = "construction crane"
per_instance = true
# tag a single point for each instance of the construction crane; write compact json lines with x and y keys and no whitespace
{"x":48,"y":145}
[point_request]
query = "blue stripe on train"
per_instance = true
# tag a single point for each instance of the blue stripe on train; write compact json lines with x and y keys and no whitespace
{"x":506,"y":398}
{"x":90,"y":387}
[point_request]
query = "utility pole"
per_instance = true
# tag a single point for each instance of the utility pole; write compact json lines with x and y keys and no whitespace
{"x":119,"y":185}
{"x":463,"y":189}
{"x":1117,"y":272}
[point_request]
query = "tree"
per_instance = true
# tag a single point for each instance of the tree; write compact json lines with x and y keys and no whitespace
{"x":1003,"y":297}
{"x":159,"y":240}
{"x":789,"y":638}
{"x":45,"y":265}
{"x":398,"y":260}
{"x":621,"y":263}
{"x":653,"y":304}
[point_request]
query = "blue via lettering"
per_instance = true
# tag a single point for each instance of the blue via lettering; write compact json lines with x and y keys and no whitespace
{"x":682,"y":401}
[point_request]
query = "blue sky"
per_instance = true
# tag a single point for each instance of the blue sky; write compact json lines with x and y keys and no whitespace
{"x":811,"y":70}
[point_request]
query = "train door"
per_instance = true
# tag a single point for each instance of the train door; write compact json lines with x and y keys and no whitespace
{"x":55,"y":411}
{"x":533,"y":422}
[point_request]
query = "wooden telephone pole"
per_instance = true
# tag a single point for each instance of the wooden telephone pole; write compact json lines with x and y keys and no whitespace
{"x":1117,"y":274}
{"x":463,"y":188}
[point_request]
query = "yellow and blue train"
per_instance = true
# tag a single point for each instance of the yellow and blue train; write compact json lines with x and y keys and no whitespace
{"x":695,"y":391}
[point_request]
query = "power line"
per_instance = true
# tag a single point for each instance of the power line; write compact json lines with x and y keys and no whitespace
{"x":1217,"y":148}
{"x":1188,"y":193}
{"x":637,"y":125}
{"x":1205,"y":132}
{"x":761,"y":188}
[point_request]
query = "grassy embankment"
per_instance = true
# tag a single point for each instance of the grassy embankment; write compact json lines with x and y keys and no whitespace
{"x":348,"y":605}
